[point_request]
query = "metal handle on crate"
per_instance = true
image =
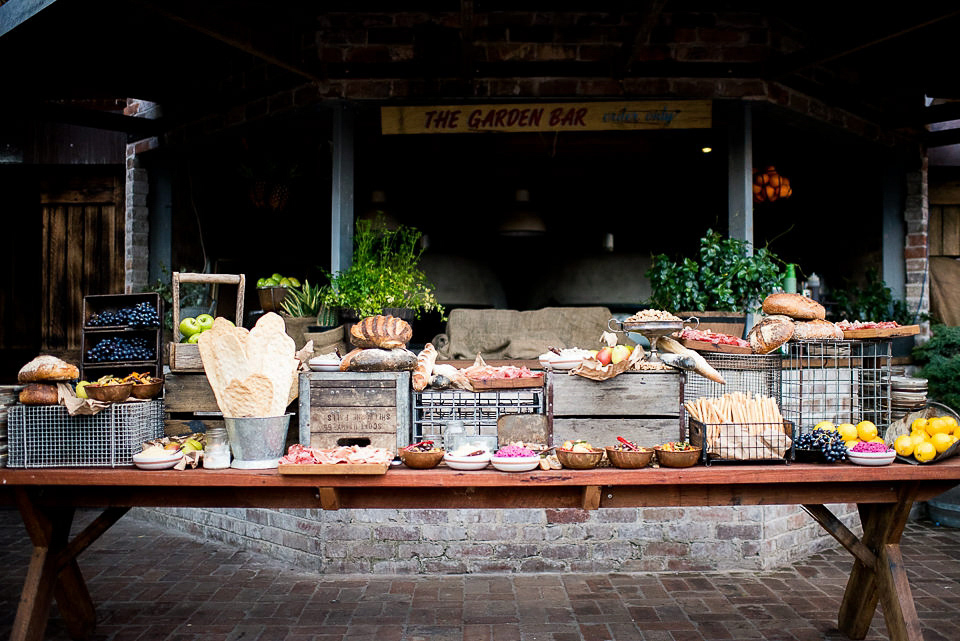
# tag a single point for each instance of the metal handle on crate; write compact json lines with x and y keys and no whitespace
{"x":693,"y":318}
{"x":611,"y":328}
{"x":212,"y":279}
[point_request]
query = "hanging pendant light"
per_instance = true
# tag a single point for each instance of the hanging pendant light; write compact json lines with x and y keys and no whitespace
{"x":769,"y":186}
{"x":523,"y":220}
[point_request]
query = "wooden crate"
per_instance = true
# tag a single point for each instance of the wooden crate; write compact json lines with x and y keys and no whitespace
{"x":189,"y":404}
{"x":644,"y":407}
{"x":91,"y":335}
{"x":343,"y":408}
{"x":185,"y":357}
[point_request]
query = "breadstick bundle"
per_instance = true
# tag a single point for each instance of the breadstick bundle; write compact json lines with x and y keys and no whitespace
{"x":740,"y":427}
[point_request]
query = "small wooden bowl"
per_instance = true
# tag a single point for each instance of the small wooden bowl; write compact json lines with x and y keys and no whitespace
{"x":579,"y":460}
{"x":686,"y":458}
{"x":628,"y":459}
{"x":422,"y":460}
{"x":148,"y":390}
{"x":109,"y":393}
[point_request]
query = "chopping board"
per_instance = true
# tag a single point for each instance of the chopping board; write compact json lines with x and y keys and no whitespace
{"x":487,"y":384}
{"x":883,"y":332}
{"x":333,"y":468}
{"x":704,"y":346}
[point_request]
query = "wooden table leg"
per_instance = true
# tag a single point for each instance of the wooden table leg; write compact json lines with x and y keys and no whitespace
{"x":885,"y":582}
{"x":53,"y":571}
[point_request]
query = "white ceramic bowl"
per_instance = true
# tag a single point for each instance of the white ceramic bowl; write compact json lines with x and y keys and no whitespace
{"x":515,"y":463}
{"x":467,"y":463}
{"x":320,"y":364}
{"x":872,"y":458}
{"x":157,"y":462}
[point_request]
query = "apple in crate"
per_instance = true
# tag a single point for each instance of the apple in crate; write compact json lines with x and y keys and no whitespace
{"x":205,"y":321}
{"x":189,"y":326}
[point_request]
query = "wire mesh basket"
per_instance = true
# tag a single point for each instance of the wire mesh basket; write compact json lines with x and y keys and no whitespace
{"x":742,"y":442}
{"x":845,"y":381}
{"x":47,"y":436}
{"x":748,"y":373}
{"x":478,"y":411}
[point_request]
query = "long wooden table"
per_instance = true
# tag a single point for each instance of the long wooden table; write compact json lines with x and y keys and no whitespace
{"x":48,"y":498}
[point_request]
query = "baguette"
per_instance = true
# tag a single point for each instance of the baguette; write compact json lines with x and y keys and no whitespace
{"x":422,"y":373}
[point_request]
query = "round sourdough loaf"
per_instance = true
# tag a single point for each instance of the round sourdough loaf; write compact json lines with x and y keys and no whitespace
{"x":816,"y":330}
{"x":47,"y":368}
{"x":770,"y":333}
{"x":794,"y":306}
{"x":39,"y":394}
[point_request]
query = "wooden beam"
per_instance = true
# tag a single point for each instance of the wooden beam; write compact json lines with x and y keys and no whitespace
{"x":15,"y":12}
{"x":244,"y":43}
{"x":841,"y":533}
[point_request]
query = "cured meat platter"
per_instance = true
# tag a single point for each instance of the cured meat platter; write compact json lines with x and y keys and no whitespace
{"x":333,"y":468}
{"x":882,"y":332}
{"x":704,"y":346}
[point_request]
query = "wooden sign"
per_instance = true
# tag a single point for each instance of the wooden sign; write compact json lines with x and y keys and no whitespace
{"x":518,"y":117}
{"x":347,"y":420}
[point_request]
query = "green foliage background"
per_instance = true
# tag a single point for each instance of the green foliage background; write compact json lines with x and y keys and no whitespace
{"x":939,"y":359}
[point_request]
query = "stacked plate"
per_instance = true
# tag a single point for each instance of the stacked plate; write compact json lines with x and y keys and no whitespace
{"x":8,"y":396}
{"x":907,"y":394}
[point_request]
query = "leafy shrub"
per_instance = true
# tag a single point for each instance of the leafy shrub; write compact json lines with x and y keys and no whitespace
{"x":939,"y":359}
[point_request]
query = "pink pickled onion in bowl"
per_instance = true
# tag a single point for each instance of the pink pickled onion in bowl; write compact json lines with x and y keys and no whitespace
{"x":514,"y":451}
{"x":870,"y":447}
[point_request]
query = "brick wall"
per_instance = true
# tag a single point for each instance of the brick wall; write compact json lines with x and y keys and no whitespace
{"x":915,"y":252}
{"x":137,"y":218}
{"x":517,"y":540}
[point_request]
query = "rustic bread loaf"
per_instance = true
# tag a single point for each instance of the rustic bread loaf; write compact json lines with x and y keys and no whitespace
{"x":47,"y":368}
{"x":816,"y":330}
{"x":423,"y":372}
{"x":387,"y":332}
{"x":794,"y":306}
{"x":375,"y":359}
{"x":39,"y":394}
{"x":770,"y":333}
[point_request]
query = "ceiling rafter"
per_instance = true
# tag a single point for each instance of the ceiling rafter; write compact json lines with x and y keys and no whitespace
{"x":222,"y":33}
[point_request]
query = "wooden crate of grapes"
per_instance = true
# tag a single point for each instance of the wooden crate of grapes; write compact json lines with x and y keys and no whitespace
{"x":121,"y":334}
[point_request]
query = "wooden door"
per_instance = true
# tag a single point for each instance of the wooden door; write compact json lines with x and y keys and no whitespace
{"x":83,"y":249}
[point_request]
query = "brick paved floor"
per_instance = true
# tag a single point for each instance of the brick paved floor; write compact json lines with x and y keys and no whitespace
{"x":150,"y":584}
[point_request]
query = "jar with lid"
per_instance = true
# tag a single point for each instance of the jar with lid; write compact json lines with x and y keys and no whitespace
{"x":216,"y":450}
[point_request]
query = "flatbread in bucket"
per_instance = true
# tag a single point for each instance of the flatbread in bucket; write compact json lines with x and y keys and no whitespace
{"x":251,"y":373}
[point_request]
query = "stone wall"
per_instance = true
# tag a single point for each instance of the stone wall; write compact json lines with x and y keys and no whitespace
{"x":916,"y":213}
{"x":515,"y":540}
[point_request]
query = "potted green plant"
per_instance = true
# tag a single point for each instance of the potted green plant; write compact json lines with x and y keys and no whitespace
{"x":725,"y":280}
{"x":385,"y":276}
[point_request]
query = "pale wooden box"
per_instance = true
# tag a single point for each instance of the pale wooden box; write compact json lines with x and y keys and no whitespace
{"x":185,"y":357}
{"x":643,"y":407}
{"x":344,"y":408}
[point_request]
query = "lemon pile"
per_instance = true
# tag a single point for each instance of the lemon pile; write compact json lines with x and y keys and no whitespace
{"x":928,"y":437}
{"x":862,"y":432}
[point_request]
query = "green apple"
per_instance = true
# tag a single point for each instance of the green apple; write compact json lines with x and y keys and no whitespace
{"x":193,"y":338}
{"x":294,"y":282}
{"x":272,"y":282}
{"x":189,"y":326}
{"x":262,"y":282}
{"x":205,"y":321}
{"x":286,"y":282}
{"x":277,"y":277}
{"x":619,"y":353}
{"x":82,"y":393}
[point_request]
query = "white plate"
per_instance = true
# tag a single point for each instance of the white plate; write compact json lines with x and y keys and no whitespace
{"x":467,"y":462}
{"x":515,"y":463}
{"x":872,"y":458}
{"x":325,"y":367}
{"x":562,"y":363}
{"x":157,"y":462}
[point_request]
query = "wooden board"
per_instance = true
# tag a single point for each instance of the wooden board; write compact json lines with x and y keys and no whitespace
{"x":887,"y":332}
{"x":185,"y":358}
{"x":328,"y":468}
{"x":629,"y":395}
{"x":482,"y":385}
{"x":703,"y":346}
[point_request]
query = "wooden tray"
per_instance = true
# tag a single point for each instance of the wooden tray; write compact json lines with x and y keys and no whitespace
{"x":482,"y":385}
{"x":704,"y":346}
{"x":333,"y":468}
{"x":884,"y":332}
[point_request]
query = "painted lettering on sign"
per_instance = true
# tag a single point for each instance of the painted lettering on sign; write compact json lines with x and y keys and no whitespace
{"x":589,"y":116}
{"x":353,"y":419}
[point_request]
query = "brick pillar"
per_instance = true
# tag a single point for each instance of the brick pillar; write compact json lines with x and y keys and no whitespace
{"x":137,"y":215}
{"x":915,"y":250}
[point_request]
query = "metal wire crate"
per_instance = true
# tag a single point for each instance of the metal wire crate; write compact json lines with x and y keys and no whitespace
{"x":743,"y":442}
{"x":748,"y":373}
{"x":47,"y":436}
{"x":479,"y":411}
{"x":845,"y":381}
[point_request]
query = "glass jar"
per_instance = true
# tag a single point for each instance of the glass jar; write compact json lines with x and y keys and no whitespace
{"x":216,"y":450}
